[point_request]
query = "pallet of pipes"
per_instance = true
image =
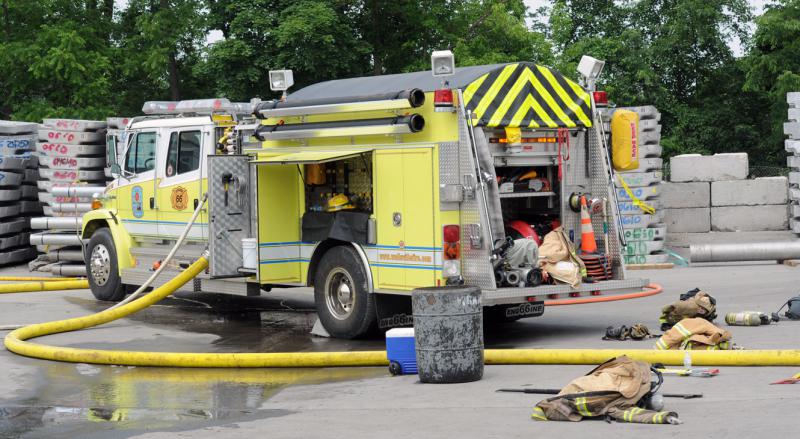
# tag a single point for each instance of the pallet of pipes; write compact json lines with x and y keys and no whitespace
{"x":72,"y":160}
{"x":17,"y":191}
{"x":644,"y":232}
{"x":792,"y":146}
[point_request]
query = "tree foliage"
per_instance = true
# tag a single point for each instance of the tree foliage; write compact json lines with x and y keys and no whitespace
{"x":91,"y":58}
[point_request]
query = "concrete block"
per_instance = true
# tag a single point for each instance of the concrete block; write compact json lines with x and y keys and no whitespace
{"x":683,"y":195}
{"x":642,"y":193}
{"x":794,"y":193}
{"x":649,"y":137}
{"x":795,"y":226}
{"x":649,"y":125}
{"x":757,"y":192}
{"x":696,"y":167}
{"x":792,"y":146}
{"x":794,"y":114}
{"x":691,"y":220}
{"x":794,"y":210}
{"x":794,"y":178}
{"x":793,"y":99}
{"x":646,"y":112}
{"x":792,"y":129}
{"x":793,"y":161}
{"x":749,"y":218}
{"x":649,"y":164}
{"x":651,"y":150}
{"x":642,"y":179}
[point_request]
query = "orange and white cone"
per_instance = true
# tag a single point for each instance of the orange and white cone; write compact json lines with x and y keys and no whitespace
{"x":588,"y":243}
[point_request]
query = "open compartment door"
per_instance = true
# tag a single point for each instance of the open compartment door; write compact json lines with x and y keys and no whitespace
{"x":288,"y":229}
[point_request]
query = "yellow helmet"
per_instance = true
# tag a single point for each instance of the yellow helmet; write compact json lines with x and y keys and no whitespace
{"x":528,"y":175}
{"x":339,"y":202}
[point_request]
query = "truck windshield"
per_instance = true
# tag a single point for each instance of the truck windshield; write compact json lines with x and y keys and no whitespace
{"x":141,"y":155}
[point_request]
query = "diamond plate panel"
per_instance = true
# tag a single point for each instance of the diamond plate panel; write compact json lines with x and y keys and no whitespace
{"x":475,"y":266}
{"x":449,"y":170}
{"x":229,"y":216}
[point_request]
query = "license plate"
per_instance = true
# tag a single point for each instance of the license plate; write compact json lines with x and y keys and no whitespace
{"x":528,"y":309}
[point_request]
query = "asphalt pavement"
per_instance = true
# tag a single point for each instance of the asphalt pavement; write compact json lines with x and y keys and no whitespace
{"x":50,"y":399}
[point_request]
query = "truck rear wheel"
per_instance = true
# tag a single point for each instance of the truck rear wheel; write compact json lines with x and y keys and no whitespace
{"x":344,"y":305}
{"x":102,"y":269}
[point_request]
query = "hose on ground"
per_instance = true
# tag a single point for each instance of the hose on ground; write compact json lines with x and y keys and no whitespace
{"x":16,"y":342}
{"x":44,"y":285}
{"x":35,"y":278}
{"x":133,"y":296}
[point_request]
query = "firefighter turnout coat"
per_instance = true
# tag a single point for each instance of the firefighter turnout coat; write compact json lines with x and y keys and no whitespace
{"x":612,"y":389}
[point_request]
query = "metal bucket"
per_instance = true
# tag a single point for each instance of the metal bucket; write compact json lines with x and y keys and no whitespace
{"x":448,"y":329}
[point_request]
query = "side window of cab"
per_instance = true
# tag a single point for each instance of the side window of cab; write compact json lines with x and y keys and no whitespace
{"x":141,"y":155}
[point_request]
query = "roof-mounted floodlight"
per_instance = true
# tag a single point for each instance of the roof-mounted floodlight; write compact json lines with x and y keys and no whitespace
{"x":280,"y":80}
{"x":590,"y":68}
{"x":443,"y":63}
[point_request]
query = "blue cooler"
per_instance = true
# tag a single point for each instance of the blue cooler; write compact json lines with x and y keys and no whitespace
{"x":400,"y":351}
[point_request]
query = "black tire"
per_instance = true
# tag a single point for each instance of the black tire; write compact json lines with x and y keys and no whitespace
{"x":105,"y":284}
{"x":342,"y":266}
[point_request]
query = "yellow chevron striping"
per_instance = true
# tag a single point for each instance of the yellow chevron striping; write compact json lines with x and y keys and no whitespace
{"x":563,"y":95}
{"x":496,"y":87}
{"x":511,"y":95}
{"x":551,"y":102}
{"x":469,"y":92}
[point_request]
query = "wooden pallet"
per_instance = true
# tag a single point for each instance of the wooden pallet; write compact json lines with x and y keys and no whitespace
{"x":659,"y":266}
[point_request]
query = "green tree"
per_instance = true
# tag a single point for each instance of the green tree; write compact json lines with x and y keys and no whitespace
{"x":55,"y":64}
{"x":773,"y":68}
{"x":162,"y":40}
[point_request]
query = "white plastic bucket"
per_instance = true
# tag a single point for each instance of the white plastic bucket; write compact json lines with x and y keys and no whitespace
{"x":249,"y":253}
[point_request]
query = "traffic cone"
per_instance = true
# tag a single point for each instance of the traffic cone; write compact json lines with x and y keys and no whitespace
{"x":588,"y":243}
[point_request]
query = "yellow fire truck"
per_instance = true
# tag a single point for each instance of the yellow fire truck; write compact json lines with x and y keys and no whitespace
{"x":364,"y":189}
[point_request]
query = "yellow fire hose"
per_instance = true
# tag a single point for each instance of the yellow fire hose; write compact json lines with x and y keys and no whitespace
{"x":42,"y":284}
{"x":15,"y":342}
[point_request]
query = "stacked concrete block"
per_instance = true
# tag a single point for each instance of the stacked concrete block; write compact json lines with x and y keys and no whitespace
{"x":644,"y":232}
{"x":17,"y":190}
{"x":792,"y":144}
{"x":687,"y":206}
{"x":713,"y":194}
{"x":72,"y":153}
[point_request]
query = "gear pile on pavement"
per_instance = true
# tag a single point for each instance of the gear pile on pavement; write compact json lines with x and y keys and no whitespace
{"x":71,"y":153}
{"x":644,"y":233}
{"x":18,"y":200}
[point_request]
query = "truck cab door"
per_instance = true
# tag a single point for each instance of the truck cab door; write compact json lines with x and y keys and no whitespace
{"x":179,"y":183}
{"x":135,"y":202}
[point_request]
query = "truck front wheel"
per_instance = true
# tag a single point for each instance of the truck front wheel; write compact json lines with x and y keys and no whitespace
{"x":101,"y":267}
{"x":344,"y":305}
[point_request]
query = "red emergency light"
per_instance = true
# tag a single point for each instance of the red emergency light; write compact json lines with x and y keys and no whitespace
{"x":443,"y":99}
{"x":600,"y":98}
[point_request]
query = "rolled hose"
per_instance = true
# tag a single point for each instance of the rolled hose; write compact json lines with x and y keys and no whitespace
{"x":16,"y":342}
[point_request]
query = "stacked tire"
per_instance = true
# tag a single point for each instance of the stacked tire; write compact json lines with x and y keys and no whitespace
{"x":792,"y":145}
{"x":72,"y":153}
{"x":644,"y":232}
{"x":18,"y":199}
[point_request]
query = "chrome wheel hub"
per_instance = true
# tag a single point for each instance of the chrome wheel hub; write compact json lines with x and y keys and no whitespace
{"x":100,"y":264}
{"x":339,"y":294}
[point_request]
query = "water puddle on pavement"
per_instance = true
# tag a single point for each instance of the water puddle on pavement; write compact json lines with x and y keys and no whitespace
{"x":104,"y":401}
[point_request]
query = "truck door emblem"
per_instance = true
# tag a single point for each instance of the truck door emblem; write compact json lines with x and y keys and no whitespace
{"x":137,"y":198}
{"x":179,"y":198}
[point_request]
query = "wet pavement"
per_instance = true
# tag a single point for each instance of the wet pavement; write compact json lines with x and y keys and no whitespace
{"x":49,"y":399}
